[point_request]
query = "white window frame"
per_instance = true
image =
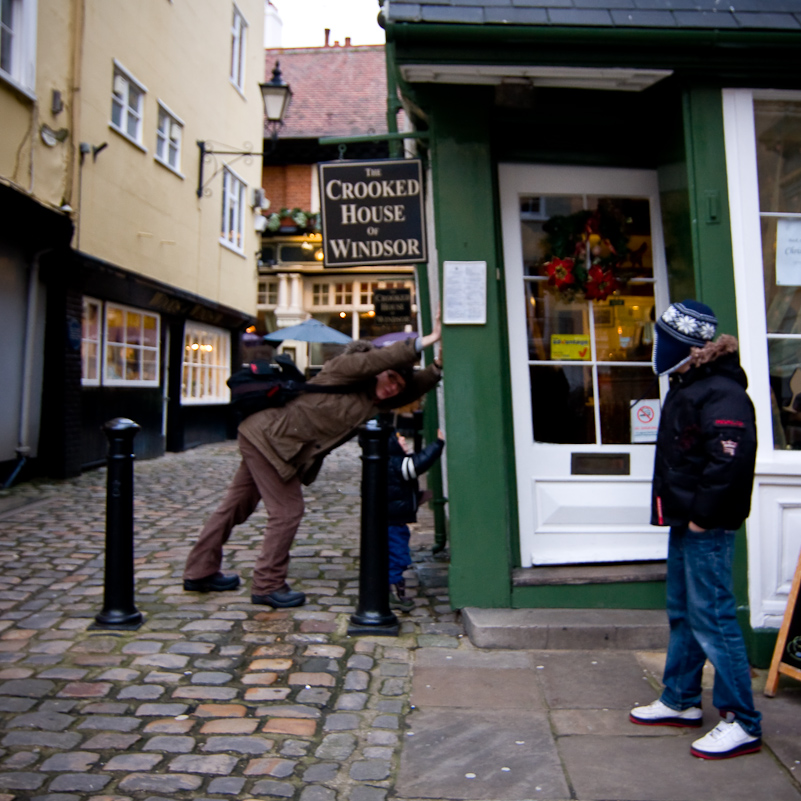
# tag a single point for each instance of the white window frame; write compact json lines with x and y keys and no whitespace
{"x":267,"y":293}
{"x":19,"y":35}
{"x":234,"y":194}
{"x":86,"y":341}
{"x":121,"y":96}
{"x":117,"y":381}
{"x":206,"y":365}
{"x":239,"y":28}
{"x":169,"y":137}
{"x":322,"y":296}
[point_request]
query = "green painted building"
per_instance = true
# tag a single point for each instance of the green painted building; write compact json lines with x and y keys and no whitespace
{"x":587,"y":164}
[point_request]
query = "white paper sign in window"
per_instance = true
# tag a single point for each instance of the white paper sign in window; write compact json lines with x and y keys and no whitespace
{"x":788,"y":253}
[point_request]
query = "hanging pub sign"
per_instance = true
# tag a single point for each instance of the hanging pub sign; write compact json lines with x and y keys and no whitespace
{"x":372,"y":212}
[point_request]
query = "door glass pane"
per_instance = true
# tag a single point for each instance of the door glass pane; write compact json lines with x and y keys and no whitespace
{"x":589,"y":298}
{"x":562,"y":404}
{"x":618,"y":389}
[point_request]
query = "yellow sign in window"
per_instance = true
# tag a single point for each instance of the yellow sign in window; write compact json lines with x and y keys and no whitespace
{"x":570,"y":347}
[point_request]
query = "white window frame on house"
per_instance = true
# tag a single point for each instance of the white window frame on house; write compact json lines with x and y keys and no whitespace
{"x":18,"y":46}
{"x":267,"y":293}
{"x":128,"y":102}
{"x":343,"y":293}
{"x":206,"y":365}
{"x":239,"y":28}
{"x":131,"y":341}
{"x":91,"y":344}
{"x":321,"y":294}
{"x":232,"y":229}
{"x":169,"y":135}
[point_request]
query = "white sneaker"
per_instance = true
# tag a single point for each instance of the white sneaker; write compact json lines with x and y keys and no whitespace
{"x":659,"y":714}
{"x":724,"y":741}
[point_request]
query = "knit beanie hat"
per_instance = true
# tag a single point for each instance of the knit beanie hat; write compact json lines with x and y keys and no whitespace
{"x":684,"y":325}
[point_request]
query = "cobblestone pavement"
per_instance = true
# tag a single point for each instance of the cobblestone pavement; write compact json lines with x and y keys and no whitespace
{"x":212,"y":697}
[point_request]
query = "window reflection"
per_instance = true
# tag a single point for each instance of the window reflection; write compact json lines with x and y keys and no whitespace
{"x":778,"y":135}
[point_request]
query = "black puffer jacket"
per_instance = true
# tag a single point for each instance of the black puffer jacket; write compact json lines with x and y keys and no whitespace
{"x":403,"y":489}
{"x":706,"y":446}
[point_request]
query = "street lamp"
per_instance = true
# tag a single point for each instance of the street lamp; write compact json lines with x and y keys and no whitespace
{"x":276,"y":95}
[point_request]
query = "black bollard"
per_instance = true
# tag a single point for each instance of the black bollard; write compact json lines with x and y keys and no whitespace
{"x":373,"y":615}
{"x":119,"y":611}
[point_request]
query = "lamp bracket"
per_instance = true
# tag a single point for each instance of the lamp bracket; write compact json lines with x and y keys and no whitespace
{"x":207,"y":150}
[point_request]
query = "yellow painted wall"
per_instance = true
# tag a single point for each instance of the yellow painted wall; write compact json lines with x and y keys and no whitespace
{"x":26,"y":162}
{"x":133,"y":211}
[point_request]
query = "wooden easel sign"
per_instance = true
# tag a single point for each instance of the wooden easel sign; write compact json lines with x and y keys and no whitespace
{"x":787,"y":654}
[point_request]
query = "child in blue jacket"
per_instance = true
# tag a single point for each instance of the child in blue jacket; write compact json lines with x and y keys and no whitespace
{"x":403,"y":497}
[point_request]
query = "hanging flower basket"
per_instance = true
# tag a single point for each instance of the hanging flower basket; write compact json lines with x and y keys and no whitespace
{"x":292,"y":221}
{"x":586,"y":253}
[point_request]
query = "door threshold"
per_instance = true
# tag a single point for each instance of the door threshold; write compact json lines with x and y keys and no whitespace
{"x":598,"y":573}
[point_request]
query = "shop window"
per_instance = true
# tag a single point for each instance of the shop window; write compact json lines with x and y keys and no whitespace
{"x":777,"y":123}
{"x":589,"y":350}
{"x":206,"y":365}
{"x":18,"y":43}
{"x":343,"y":294}
{"x":131,"y":352}
{"x":366,"y":294}
{"x":233,"y":211}
{"x":320,"y":295}
{"x":127,"y":101}
{"x":238,"y":49}
{"x":168,"y":139}
{"x":267,"y":293}
{"x":91,"y":331}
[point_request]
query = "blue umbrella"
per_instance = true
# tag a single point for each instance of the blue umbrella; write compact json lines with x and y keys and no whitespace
{"x":310,"y":330}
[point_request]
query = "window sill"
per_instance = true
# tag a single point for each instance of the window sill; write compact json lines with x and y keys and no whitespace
{"x":29,"y":94}
{"x":127,"y":138}
{"x":228,"y":246}
{"x":169,"y":167}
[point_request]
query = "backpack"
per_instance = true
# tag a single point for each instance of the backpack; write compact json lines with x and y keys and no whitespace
{"x":261,"y":385}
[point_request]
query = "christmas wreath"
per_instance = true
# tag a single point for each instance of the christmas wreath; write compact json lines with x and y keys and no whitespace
{"x":586,"y":252}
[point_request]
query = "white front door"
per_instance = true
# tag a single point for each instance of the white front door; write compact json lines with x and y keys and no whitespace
{"x":585,"y":275}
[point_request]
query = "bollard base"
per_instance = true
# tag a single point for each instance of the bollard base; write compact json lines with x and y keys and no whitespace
{"x":377,"y":630}
{"x":120,"y":622}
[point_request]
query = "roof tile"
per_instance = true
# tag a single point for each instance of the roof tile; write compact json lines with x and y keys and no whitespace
{"x":579,"y":16}
{"x":336,"y":91}
{"x":643,"y":19}
{"x":517,"y":16}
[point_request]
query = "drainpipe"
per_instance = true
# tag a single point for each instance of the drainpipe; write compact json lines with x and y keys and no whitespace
{"x":23,"y":449}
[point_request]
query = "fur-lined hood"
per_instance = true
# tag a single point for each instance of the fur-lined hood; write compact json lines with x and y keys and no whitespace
{"x":713,"y":351}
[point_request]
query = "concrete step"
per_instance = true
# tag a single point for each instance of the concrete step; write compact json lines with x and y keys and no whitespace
{"x":567,"y":629}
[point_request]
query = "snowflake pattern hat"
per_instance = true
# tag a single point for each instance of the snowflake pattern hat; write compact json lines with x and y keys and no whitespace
{"x":684,"y":325}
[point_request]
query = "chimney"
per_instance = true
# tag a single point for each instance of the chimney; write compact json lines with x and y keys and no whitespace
{"x":347,"y":41}
{"x":327,"y":35}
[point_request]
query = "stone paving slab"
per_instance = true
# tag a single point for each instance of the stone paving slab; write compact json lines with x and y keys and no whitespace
{"x":488,"y":754}
{"x":647,"y":769}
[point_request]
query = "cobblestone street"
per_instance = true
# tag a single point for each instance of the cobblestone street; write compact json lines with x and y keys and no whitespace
{"x":212,"y":696}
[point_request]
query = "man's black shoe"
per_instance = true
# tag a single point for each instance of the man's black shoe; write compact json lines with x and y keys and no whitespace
{"x":216,"y":583}
{"x":280,"y":599}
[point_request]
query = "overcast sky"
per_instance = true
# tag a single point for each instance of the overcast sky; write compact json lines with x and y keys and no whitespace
{"x":305,"y":21}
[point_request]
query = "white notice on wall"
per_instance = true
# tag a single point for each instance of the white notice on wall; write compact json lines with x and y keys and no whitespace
{"x":464,"y":293}
{"x":788,"y":253}
{"x":645,"y":420}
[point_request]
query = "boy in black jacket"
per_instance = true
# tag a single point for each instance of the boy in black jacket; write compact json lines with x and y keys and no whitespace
{"x":403,"y":498}
{"x":703,"y":476}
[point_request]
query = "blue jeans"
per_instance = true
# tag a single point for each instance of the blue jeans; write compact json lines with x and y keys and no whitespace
{"x":400,"y":557}
{"x":703,"y":624}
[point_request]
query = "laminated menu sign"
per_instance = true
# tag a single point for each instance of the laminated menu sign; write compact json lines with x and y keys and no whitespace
{"x":464,"y":292}
{"x":788,"y":252}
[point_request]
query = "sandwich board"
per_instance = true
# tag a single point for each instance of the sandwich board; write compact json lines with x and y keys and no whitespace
{"x":787,"y":653}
